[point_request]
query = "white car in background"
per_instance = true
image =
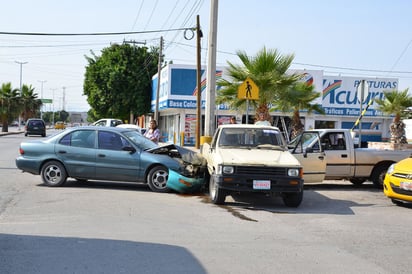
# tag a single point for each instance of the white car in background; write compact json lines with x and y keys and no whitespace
{"x":108,"y":122}
{"x":135,"y":127}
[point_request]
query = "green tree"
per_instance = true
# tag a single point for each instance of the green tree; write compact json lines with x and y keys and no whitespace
{"x":62,"y":116}
{"x":118,"y":82}
{"x":47,"y":117}
{"x":31,"y":104}
{"x":396,"y":103}
{"x":9,"y":105}
{"x":298,"y":97}
{"x":268,"y":69}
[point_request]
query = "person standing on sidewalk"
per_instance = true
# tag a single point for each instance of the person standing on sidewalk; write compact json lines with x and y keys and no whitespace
{"x":153,"y":132}
{"x":262,"y":120}
{"x":233,"y":120}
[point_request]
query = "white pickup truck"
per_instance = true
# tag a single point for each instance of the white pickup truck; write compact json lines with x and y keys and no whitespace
{"x":252,"y":158}
{"x":344,"y":161}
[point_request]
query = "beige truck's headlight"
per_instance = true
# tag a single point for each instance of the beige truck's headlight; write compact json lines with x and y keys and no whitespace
{"x":293,"y":172}
{"x":226,"y":169}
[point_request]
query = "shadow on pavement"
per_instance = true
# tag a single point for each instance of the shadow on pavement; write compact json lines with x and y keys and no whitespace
{"x":314,"y":202}
{"x":40,"y":254}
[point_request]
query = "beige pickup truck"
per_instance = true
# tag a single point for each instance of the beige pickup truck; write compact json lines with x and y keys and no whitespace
{"x":344,"y":161}
{"x":251,"y":158}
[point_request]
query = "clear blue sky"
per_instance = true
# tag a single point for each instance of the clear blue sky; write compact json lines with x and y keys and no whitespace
{"x":351,"y":38}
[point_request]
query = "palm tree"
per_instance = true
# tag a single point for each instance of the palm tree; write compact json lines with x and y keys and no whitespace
{"x":267,"y":69}
{"x":298,"y":97}
{"x":396,"y":103}
{"x":9,"y":105}
{"x":31,"y":105}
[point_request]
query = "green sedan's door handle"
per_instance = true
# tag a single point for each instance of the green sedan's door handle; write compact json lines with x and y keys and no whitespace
{"x":62,"y":151}
{"x":101,"y":155}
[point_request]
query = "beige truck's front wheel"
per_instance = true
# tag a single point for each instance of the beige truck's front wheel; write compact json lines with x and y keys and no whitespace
{"x":217,"y":195}
{"x":292,"y":199}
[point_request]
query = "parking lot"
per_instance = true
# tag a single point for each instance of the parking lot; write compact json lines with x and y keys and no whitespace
{"x":102,"y":227}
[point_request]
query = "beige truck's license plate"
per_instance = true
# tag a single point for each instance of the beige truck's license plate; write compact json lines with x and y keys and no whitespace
{"x":261,"y":184}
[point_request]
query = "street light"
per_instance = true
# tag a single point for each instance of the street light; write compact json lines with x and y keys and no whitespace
{"x":41,"y":97}
{"x":21,"y":75}
{"x":53,"y":89}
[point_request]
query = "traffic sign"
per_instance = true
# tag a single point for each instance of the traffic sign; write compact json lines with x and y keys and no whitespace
{"x":362,"y":91}
{"x":248,"y":90}
{"x":46,"y":101}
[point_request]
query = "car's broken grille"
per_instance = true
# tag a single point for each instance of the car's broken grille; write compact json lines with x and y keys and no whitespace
{"x":273,"y":171}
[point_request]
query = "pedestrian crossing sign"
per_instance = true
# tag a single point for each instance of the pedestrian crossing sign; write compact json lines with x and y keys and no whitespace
{"x":248,"y":90}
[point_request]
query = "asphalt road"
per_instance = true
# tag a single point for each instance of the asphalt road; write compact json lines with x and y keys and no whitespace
{"x":100,"y":227}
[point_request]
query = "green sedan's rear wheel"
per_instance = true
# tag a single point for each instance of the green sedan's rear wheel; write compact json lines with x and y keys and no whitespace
{"x":157,"y":179}
{"x":53,"y":174}
{"x":217,"y":195}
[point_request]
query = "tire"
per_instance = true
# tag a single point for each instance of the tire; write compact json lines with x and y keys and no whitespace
{"x":378,"y":174}
{"x":292,"y":199}
{"x":157,"y":179}
{"x":397,"y":202}
{"x":217,"y":195}
{"x":53,"y":174}
{"x":357,"y":181}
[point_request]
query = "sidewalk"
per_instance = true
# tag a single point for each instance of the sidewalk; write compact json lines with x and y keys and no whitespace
{"x":12,"y":130}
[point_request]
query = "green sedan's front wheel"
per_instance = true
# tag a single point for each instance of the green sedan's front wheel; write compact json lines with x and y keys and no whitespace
{"x":53,"y":173}
{"x":157,"y":179}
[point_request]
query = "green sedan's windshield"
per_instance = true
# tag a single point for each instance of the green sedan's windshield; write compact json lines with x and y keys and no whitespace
{"x":139,"y":140}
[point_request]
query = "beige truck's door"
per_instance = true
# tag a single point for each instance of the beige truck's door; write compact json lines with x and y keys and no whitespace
{"x":308,"y":150}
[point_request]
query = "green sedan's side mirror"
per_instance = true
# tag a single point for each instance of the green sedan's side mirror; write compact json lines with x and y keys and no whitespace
{"x":129,"y":148}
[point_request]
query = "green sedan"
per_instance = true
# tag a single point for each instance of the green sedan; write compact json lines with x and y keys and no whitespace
{"x":112,"y":154}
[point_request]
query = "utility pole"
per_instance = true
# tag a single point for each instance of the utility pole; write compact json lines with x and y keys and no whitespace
{"x":21,"y":84}
{"x":41,"y":97}
{"x":211,"y":72}
{"x":53,"y":89}
{"x":199,"y":85}
{"x":159,"y":72}
{"x":64,"y":99}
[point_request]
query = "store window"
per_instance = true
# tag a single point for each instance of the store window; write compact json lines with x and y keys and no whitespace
{"x":324,"y":124}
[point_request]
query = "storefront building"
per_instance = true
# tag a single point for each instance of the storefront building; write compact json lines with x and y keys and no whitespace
{"x":340,"y":98}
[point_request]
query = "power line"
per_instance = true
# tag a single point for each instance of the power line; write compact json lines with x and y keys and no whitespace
{"x":151,"y":15}
{"x":311,"y":65}
{"x":355,"y":69}
{"x":138,"y":15}
{"x":55,"y":46}
{"x":89,"y":34}
{"x":400,"y":56}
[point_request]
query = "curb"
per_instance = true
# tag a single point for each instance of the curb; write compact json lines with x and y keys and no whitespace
{"x":10,"y":133}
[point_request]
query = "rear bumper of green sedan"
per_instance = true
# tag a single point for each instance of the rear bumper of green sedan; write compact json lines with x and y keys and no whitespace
{"x":27,"y":165}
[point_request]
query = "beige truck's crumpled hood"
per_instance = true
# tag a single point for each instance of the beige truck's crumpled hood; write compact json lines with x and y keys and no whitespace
{"x":268,"y":157}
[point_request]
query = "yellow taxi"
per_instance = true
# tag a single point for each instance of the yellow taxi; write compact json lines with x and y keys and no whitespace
{"x":59,"y":125}
{"x":397,"y":184}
